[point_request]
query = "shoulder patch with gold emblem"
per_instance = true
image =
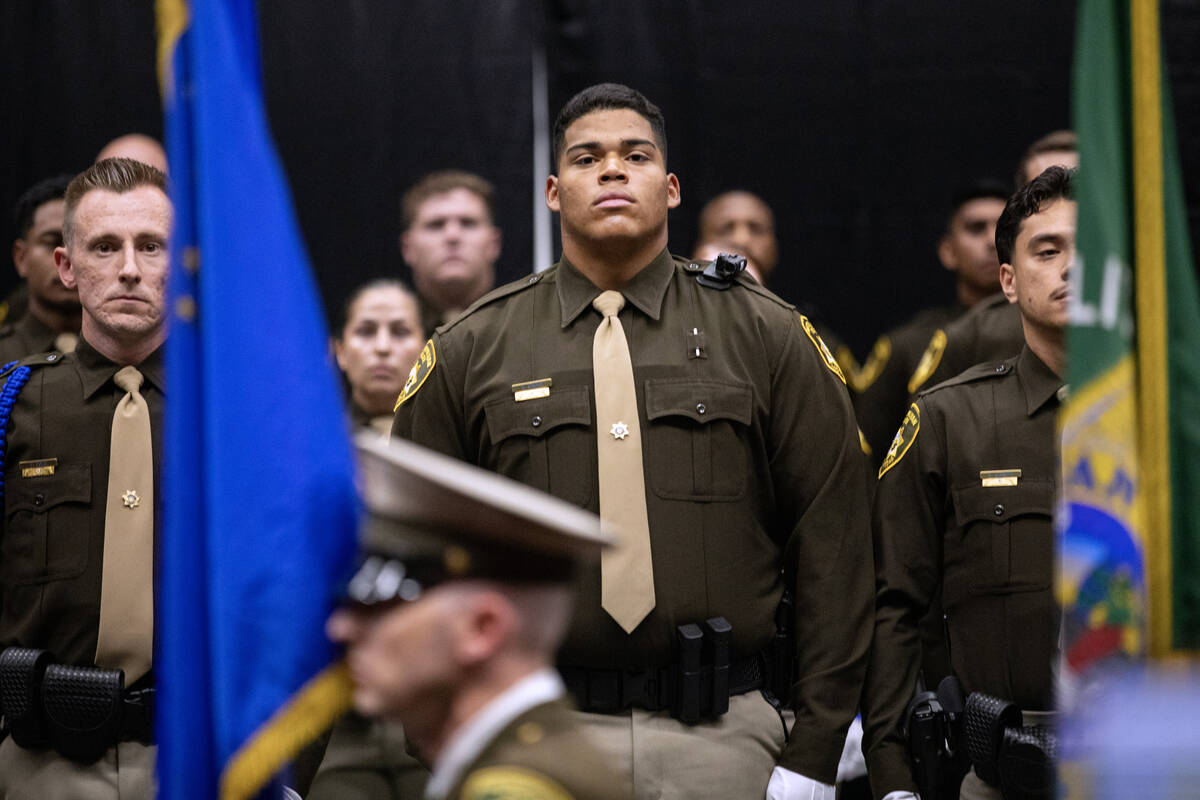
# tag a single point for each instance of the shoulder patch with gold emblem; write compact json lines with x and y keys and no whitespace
{"x":872,"y":368}
{"x":929,"y":361}
{"x":419,"y":373}
{"x":511,"y":783}
{"x":904,"y":439}
{"x":826,"y":356}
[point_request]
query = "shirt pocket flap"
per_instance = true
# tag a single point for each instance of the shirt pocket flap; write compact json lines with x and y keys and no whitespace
{"x":1003,"y":503}
{"x":701,"y":401}
{"x":70,"y":483}
{"x":566,"y":406}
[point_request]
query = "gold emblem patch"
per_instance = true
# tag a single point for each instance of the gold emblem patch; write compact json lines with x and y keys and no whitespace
{"x":929,"y":361}
{"x":904,"y":439}
{"x":419,"y":373}
{"x":826,"y":356}
{"x":511,"y":783}
{"x":861,"y":378}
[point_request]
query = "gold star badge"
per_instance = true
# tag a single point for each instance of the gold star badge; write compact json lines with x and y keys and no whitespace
{"x":131,"y":499}
{"x":619,"y":430}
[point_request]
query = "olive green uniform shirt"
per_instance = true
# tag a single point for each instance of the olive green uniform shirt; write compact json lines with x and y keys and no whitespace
{"x":540,"y":755}
{"x":25,"y":337}
{"x":964,"y":504}
{"x":52,"y":551}
{"x":881,"y":390}
{"x":990,"y":331}
{"x":752,"y":464}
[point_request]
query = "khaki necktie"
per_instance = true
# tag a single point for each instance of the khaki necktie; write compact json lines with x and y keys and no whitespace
{"x":126,"y":636}
{"x":626,"y":571}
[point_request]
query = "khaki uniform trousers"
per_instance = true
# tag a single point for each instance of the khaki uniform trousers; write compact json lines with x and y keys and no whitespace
{"x":125,"y":772}
{"x":661,"y":758}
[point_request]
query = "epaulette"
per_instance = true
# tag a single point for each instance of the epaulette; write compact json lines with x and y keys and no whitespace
{"x":743,"y":279}
{"x":48,"y":358}
{"x":979,"y":372}
{"x":495,"y":294}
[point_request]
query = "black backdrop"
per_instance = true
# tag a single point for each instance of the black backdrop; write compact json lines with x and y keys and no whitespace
{"x":853,"y":118}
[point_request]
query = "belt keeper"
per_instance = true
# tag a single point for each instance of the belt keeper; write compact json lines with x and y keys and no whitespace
{"x":83,"y":709}
{"x":716,"y":652}
{"x":21,"y":671}
{"x":687,"y":698}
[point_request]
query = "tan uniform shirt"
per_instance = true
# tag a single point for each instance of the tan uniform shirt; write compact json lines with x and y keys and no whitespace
{"x":752,"y":464}
{"x":964,"y":504}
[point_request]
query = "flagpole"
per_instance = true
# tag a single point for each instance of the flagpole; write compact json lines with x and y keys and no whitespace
{"x":1151,"y":299}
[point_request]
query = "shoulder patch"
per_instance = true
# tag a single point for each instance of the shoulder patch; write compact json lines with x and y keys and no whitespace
{"x":903,"y":440}
{"x":826,"y":356}
{"x":861,"y":379}
{"x":420,"y":371}
{"x":511,"y":783}
{"x":929,"y":361}
{"x":863,"y":444}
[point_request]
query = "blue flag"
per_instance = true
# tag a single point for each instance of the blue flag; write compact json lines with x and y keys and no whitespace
{"x":260,"y":509}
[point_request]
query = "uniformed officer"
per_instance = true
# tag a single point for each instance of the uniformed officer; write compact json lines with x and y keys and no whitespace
{"x":450,"y":242}
{"x":991,"y":330}
{"x":51,"y":320}
{"x":81,"y":458}
{"x":965,"y":499}
{"x":452,"y":621}
{"x":378,"y":341}
{"x":705,"y":417}
{"x":967,"y":249}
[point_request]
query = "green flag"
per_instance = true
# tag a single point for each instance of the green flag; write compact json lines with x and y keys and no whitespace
{"x":1129,"y":532}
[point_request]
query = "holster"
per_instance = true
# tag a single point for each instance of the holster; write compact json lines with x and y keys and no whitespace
{"x":21,"y":671}
{"x":83,"y":709}
{"x":1018,"y":759}
{"x":781,"y":652}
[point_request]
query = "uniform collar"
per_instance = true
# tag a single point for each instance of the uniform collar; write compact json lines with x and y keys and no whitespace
{"x":469,"y":742}
{"x":646,"y":290}
{"x":1037,"y":380}
{"x":96,"y":370}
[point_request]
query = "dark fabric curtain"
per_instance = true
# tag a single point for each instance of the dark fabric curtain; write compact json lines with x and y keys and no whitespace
{"x":855,"y":120}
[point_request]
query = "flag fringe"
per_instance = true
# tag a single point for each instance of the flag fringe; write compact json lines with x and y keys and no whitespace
{"x":298,"y":722}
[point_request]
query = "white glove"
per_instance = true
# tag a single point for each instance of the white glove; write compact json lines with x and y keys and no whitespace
{"x":852,"y":764}
{"x":901,"y":796}
{"x":788,"y":785}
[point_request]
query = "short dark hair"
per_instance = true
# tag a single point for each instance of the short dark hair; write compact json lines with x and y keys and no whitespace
{"x":440,"y":182}
{"x":974,"y":190}
{"x":378,"y":283}
{"x":118,"y":175}
{"x":34,"y":198}
{"x":1051,"y":185}
{"x":604,"y":96}
{"x":1064,"y":141}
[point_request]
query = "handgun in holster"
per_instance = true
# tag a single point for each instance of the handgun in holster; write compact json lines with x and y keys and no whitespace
{"x":928,"y":728}
{"x":781,"y":652}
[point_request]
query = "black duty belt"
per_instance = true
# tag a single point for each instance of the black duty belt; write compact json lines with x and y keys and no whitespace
{"x":697,"y":686}
{"x":79,"y":711}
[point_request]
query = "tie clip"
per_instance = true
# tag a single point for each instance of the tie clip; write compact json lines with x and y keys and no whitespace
{"x":999,"y":477}
{"x":35,"y":469}
{"x":531,"y":390}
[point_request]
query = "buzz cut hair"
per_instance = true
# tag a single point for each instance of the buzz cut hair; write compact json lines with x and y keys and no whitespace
{"x":604,"y":97}
{"x":441,"y":182}
{"x":118,"y":175}
{"x":1053,"y":184}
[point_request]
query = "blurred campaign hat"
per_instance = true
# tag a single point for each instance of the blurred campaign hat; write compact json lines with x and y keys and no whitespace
{"x":431,"y":519}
